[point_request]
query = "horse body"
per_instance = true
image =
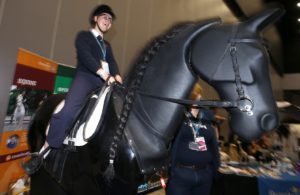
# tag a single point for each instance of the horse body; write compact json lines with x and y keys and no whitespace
{"x":152,"y":123}
{"x":135,"y":135}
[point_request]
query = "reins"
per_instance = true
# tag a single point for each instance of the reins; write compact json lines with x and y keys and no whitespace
{"x":193,"y":103}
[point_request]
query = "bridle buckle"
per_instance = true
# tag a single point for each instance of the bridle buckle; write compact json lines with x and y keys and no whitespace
{"x":245,"y":104}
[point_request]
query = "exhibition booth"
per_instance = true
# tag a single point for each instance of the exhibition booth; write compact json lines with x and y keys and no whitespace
{"x":35,"y":79}
{"x":266,"y":166}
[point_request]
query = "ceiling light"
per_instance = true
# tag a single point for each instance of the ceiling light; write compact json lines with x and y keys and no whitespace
{"x":298,"y":19}
{"x":298,"y":4}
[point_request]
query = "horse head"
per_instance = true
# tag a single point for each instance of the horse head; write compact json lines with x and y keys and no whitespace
{"x":233,"y":59}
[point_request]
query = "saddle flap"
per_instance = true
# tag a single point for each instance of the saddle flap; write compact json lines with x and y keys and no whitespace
{"x":90,"y":118}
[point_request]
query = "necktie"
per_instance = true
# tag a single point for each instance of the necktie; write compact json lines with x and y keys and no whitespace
{"x":102,"y":45}
{"x":103,"y":50}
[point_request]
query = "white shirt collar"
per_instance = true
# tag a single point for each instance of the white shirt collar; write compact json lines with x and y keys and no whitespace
{"x":95,"y":33}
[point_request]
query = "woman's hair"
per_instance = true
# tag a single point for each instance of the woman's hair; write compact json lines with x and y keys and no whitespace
{"x":197,"y":91}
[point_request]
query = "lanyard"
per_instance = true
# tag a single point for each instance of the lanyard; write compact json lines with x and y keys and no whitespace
{"x":195,"y":127}
{"x":102,"y":47}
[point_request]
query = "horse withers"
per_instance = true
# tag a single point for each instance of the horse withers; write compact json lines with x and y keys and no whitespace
{"x":132,"y":144}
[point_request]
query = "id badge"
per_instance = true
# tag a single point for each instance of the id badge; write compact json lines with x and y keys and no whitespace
{"x":105,"y":66}
{"x":194,"y":146}
{"x":201,"y":143}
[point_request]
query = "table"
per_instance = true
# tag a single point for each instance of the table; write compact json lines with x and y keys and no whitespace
{"x":287,"y":184}
{"x":232,"y":184}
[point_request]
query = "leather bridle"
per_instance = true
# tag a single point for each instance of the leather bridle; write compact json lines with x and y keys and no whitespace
{"x":243,"y":103}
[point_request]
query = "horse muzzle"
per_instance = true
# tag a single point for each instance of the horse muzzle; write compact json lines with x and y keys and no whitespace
{"x":269,"y":121}
{"x":250,"y":127}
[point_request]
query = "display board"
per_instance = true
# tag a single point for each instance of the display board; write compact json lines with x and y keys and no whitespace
{"x":64,"y":78}
{"x":32,"y":83}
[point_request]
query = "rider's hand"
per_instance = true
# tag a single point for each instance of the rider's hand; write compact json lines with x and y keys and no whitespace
{"x":111,"y":80}
{"x":119,"y":78}
{"x":104,"y":75}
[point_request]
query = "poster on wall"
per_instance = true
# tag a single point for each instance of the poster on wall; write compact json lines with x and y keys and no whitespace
{"x":33,"y":82}
{"x":64,"y":78}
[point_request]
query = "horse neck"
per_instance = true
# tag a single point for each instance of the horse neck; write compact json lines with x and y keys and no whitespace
{"x":168,"y":75}
{"x":164,"y":80}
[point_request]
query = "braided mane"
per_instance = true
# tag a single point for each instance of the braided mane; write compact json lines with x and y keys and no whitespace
{"x":133,"y":82}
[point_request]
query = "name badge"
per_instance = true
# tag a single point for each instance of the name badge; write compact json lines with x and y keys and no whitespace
{"x":105,"y":66}
{"x":198,"y":145}
{"x":194,"y":146}
{"x":201,"y":143}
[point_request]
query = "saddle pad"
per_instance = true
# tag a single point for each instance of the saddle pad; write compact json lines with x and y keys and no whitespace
{"x":88,"y":128}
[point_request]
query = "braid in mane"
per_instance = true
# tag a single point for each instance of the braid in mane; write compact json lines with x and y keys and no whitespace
{"x":133,"y":85}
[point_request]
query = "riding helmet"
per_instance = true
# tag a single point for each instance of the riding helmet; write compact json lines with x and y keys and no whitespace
{"x":100,"y":10}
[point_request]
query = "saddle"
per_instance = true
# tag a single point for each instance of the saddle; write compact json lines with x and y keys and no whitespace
{"x":87,"y":124}
{"x":89,"y":120}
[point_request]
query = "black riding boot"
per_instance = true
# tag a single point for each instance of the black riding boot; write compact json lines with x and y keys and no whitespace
{"x":36,"y":161}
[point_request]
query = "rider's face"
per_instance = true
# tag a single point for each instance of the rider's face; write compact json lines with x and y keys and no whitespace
{"x":104,"y":22}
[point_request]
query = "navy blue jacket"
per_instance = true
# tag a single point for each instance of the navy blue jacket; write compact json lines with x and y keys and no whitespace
{"x":89,"y":54}
{"x":86,"y":80}
{"x":183,"y":155}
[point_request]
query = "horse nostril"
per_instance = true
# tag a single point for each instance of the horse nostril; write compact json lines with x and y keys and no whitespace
{"x":268,"y":122}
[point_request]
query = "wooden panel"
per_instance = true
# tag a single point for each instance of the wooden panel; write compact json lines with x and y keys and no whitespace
{"x":28,"y":24}
{"x":73,"y":17}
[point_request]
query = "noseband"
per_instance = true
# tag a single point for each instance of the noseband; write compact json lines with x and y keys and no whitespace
{"x":243,"y":103}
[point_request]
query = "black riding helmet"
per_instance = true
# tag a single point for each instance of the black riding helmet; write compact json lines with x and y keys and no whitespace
{"x":100,"y":10}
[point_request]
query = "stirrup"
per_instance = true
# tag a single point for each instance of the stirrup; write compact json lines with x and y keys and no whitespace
{"x":35,"y":163}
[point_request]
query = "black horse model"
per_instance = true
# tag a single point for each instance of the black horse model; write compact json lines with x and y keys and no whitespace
{"x":132,"y":136}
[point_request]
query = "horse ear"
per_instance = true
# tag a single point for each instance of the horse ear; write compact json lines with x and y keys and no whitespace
{"x":265,"y":18}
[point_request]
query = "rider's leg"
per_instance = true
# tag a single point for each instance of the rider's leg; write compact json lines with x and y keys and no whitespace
{"x":83,"y":85}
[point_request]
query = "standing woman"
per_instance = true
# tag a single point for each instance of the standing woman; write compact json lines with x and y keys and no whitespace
{"x":195,"y":154}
